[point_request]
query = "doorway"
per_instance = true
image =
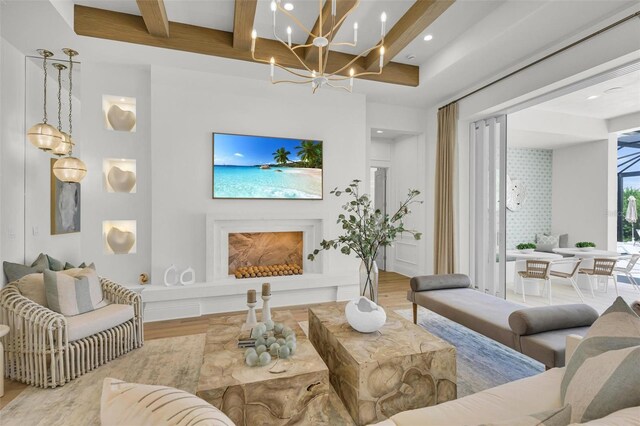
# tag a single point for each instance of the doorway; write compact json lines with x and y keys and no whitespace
{"x":379,"y":193}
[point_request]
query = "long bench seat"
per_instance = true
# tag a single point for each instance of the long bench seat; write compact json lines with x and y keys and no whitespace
{"x":539,"y":333}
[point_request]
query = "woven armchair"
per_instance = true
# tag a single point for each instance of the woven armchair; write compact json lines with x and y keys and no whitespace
{"x":38,"y":351}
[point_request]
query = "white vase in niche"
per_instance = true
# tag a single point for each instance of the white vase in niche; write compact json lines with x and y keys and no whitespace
{"x":121,"y":242}
{"x":121,"y":180}
{"x":171,"y":276}
{"x":364,"y":315}
{"x":188,"y":276}
{"x":121,"y":119}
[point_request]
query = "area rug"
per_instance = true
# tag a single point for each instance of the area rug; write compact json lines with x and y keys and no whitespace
{"x":173,"y":361}
{"x":482,"y":363}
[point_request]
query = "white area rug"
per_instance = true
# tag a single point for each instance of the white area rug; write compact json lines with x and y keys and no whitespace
{"x":173,"y":361}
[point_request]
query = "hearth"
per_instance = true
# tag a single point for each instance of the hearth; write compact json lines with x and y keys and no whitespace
{"x":262,"y":254}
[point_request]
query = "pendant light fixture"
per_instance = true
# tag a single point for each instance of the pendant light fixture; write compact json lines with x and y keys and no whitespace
{"x":42,"y":135}
{"x":66,"y":144}
{"x":70,"y":169}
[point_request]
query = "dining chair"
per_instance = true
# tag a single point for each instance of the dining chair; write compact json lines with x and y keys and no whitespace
{"x":536,"y":270}
{"x":602,"y":268}
{"x":571,"y":276}
{"x":626,"y":270}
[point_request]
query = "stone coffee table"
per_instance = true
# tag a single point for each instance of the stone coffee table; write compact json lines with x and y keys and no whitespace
{"x":398,"y":368}
{"x":292,"y":391}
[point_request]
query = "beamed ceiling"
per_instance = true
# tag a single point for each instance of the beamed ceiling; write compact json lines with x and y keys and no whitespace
{"x":154,"y":27}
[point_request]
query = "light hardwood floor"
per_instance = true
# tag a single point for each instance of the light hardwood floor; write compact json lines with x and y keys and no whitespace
{"x":392,"y":295}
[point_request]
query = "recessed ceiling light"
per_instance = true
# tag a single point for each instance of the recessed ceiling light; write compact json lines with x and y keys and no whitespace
{"x":592,"y":97}
{"x":411,"y":56}
{"x":613,"y":89}
{"x":288,"y":6}
{"x":428,"y":37}
{"x":379,"y":131}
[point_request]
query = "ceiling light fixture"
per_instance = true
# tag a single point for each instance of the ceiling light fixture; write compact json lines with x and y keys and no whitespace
{"x":379,"y":131}
{"x":42,"y":135}
{"x":322,"y":41}
{"x":66,"y":144}
{"x":428,"y":37}
{"x":288,"y":7}
{"x":592,"y":97}
{"x":70,"y":169}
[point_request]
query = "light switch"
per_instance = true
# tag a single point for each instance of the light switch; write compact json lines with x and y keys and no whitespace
{"x":35,"y":231}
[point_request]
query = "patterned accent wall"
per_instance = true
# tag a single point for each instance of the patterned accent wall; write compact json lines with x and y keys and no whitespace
{"x":533,"y":168}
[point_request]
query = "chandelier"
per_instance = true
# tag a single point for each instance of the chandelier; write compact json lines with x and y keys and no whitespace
{"x":43,"y":135}
{"x":317,"y":74}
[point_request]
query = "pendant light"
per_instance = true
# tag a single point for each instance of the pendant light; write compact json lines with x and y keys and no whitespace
{"x":70,"y":169}
{"x":66,"y":144}
{"x":42,"y":135}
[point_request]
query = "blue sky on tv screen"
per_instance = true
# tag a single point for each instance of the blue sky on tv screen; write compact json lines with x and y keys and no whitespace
{"x":240,"y":150}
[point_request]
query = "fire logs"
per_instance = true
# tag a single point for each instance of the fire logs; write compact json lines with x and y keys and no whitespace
{"x":268,"y":271}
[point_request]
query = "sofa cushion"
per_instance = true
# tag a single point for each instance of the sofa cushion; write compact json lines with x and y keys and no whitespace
{"x":511,"y":400}
{"x":554,"y":417}
{"x":92,"y":322}
{"x":548,"y":318}
{"x":73,"y":292}
{"x":549,"y":347}
{"x":136,"y":404}
{"x":483,"y":313}
{"x":439,"y":282}
{"x":15,"y":271}
{"x":626,"y":417}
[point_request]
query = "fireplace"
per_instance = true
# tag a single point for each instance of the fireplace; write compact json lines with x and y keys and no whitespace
{"x":265,"y":254}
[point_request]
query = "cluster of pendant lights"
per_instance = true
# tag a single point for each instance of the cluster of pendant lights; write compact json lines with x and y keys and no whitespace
{"x":53,"y":140}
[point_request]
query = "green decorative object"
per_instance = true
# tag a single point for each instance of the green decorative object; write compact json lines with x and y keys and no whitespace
{"x":270,"y":341}
{"x":585,"y":244}
{"x":280,"y":341}
{"x":273,"y":340}
{"x":277,"y":328}
{"x":291,"y":337}
{"x":284,"y":352}
{"x":260,"y":349}
{"x":264,"y":358}
{"x":366,"y":229}
{"x":261,"y":341}
{"x":252,"y":358}
{"x":248,"y":351}
{"x":526,"y":246}
{"x":269,"y":325}
{"x":273,"y":349}
{"x":286,"y":331}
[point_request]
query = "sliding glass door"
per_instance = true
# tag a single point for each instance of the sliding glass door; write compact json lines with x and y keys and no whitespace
{"x":488,"y":146}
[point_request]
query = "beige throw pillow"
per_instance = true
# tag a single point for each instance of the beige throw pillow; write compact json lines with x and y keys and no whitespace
{"x":73,"y":292}
{"x":141,"y":405}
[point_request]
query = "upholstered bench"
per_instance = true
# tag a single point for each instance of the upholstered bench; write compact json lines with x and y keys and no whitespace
{"x":539,"y":333}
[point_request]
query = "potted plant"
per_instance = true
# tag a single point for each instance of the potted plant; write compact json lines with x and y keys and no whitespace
{"x":585,"y":245}
{"x":366,"y":229}
{"x":526,"y":247}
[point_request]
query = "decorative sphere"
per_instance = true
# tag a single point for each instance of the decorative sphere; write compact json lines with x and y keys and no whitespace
{"x":291,"y":337}
{"x":270,"y":341}
{"x":252,"y":359}
{"x":249,"y":351}
{"x":292,"y":347}
{"x":292,"y":344}
{"x":269,"y":325}
{"x":286,"y":331}
{"x":261,"y":341}
{"x":260,"y":349}
{"x":277,"y":327}
{"x":284,"y":352}
{"x":280,"y":341}
{"x":264,"y":358}
{"x":256,"y":332}
{"x":273,"y":349}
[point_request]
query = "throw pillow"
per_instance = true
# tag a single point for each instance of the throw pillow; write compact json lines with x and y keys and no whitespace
{"x":604,"y":384}
{"x":82,"y":265}
{"x":547,"y":242}
{"x":68,"y":265}
{"x":32,"y":287}
{"x":626,"y":417}
{"x":563,"y":240}
{"x":137,"y":404}
{"x":73,"y":293}
{"x":15,"y":271}
{"x":55,"y":264}
{"x":554,"y":417}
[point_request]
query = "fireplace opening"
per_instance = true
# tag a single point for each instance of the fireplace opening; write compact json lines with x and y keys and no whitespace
{"x":265,"y":254}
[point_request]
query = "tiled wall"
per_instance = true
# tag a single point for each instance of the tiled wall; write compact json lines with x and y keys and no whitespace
{"x":532,"y":167}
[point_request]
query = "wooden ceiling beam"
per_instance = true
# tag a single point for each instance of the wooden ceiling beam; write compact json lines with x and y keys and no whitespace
{"x":155,"y":17}
{"x":411,"y":25}
{"x":105,"y":24}
{"x":243,"y":17}
{"x":342,"y":8}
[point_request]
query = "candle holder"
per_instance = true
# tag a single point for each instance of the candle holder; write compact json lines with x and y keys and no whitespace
{"x":266,"y":309}
{"x":251,"y":316}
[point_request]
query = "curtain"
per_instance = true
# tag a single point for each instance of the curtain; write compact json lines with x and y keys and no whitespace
{"x":443,"y":261}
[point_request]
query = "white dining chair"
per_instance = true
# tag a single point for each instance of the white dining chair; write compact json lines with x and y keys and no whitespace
{"x":626,"y":270}
{"x":571,"y":276}
{"x":536,"y":270}
{"x":602,"y":269}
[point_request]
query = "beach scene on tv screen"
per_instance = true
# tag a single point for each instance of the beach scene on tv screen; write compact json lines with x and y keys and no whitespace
{"x":266,"y":167}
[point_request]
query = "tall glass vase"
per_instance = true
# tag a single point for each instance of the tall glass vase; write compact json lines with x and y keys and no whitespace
{"x":369,"y":280}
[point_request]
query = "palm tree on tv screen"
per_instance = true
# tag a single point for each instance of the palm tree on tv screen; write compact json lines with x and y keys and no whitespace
{"x":310,"y":152}
{"x":281,"y":156}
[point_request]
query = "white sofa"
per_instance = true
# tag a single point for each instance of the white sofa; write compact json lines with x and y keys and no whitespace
{"x":509,"y":401}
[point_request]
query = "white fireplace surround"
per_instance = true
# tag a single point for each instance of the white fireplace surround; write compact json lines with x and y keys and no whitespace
{"x":218,"y":230}
{"x":222,"y":292}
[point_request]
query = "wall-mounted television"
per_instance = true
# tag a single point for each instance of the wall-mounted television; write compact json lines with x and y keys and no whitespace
{"x":261,"y":167}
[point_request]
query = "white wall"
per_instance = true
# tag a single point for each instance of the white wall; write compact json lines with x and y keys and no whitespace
{"x":580,"y":193}
{"x":189,"y":106}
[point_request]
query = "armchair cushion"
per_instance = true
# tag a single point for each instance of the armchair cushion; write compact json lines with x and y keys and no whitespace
{"x":93,"y":322}
{"x":32,"y":287}
{"x":73,"y":292}
{"x":439,"y":282}
{"x":15,"y":271}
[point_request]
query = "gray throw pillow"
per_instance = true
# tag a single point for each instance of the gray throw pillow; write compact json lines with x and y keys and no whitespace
{"x":55,"y":264}
{"x":15,"y":271}
{"x":547,"y":242}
